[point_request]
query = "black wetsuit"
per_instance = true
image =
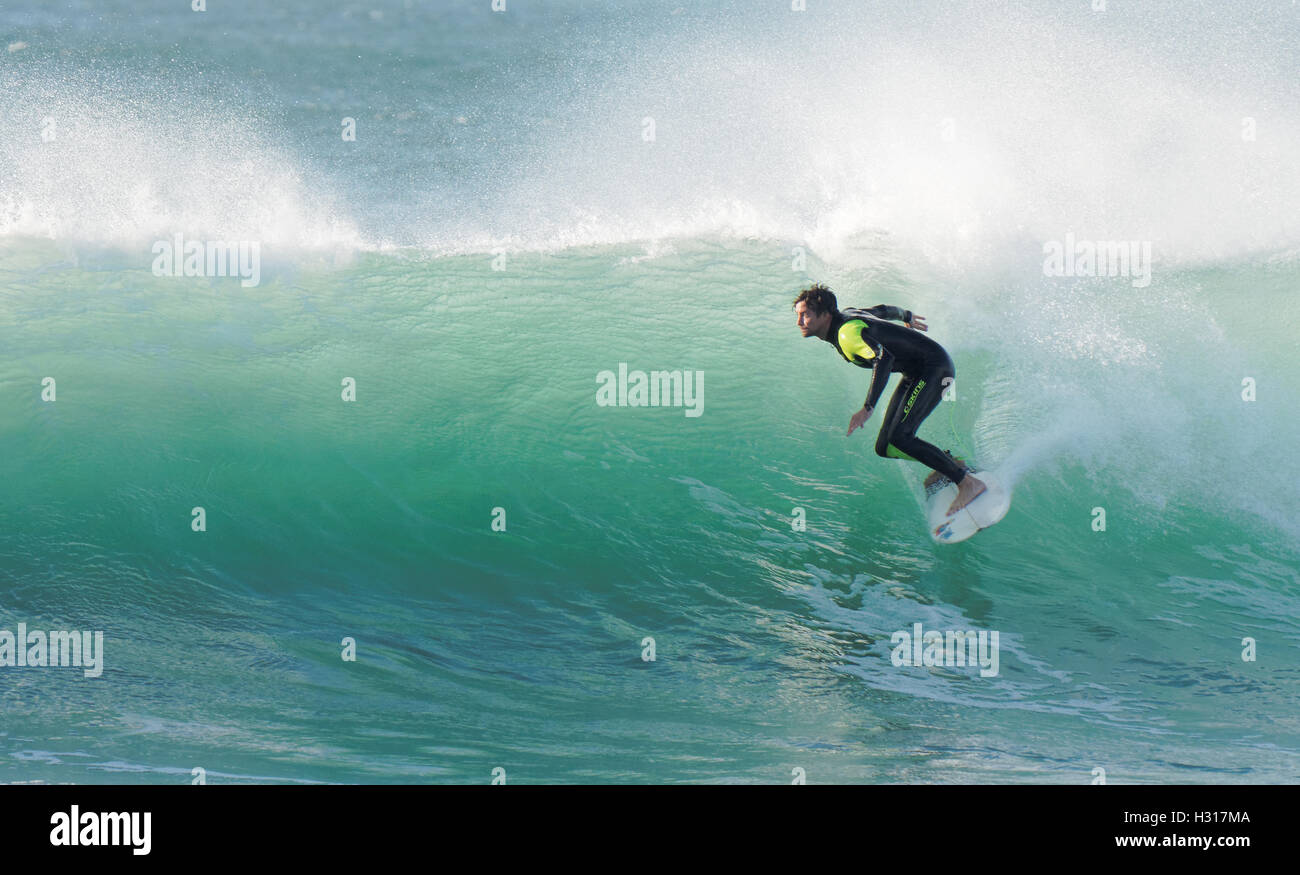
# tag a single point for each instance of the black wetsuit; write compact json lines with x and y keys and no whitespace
{"x":865,"y":339}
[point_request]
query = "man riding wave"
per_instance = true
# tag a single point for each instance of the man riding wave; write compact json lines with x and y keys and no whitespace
{"x":869,"y":339}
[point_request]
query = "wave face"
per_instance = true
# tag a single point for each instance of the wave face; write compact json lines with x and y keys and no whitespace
{"x":534,"y":198}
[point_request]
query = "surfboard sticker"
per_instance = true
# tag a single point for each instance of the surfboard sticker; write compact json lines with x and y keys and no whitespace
{"x":987,"y":509}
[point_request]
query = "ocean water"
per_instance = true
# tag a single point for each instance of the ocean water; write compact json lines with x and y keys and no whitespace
{"x":540,"y":194}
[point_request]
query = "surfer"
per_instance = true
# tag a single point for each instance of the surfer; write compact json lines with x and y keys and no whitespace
{"x":865,"y":338}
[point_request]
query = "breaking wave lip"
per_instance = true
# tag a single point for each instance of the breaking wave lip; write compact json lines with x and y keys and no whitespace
{"x":120,"y":165}
{"x":967,"y":145}
{"x":972,"y":148}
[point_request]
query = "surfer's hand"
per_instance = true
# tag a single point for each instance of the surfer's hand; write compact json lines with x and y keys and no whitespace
{"x":859,"y":419}
{"x":918,"y":322}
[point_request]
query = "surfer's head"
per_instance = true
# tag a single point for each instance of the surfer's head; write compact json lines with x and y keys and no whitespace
{"x":815,"y":307}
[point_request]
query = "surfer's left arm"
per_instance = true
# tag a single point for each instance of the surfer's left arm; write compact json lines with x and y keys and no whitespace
{"x":882,"y":365}
{"x":898,"y":314}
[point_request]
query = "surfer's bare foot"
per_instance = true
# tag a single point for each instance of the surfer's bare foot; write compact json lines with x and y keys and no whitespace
{"x":935,"y":476}
{"x":970,"y":488}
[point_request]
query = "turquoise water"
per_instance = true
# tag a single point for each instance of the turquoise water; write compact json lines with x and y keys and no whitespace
{"x":499,"y":233}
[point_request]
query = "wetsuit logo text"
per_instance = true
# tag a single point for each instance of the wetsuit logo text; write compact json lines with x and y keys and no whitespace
{"x":657,"y":389}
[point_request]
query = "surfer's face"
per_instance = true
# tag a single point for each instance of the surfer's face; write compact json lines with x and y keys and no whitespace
{"x":810,"y":323}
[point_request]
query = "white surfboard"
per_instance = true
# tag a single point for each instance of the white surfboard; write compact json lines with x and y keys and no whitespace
{"x":989,"y":507}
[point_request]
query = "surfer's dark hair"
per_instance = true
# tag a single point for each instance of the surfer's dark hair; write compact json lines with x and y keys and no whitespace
{"x":820,"y":299}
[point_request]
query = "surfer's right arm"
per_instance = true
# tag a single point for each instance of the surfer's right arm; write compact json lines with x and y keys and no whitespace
{"x":898,"y":314}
